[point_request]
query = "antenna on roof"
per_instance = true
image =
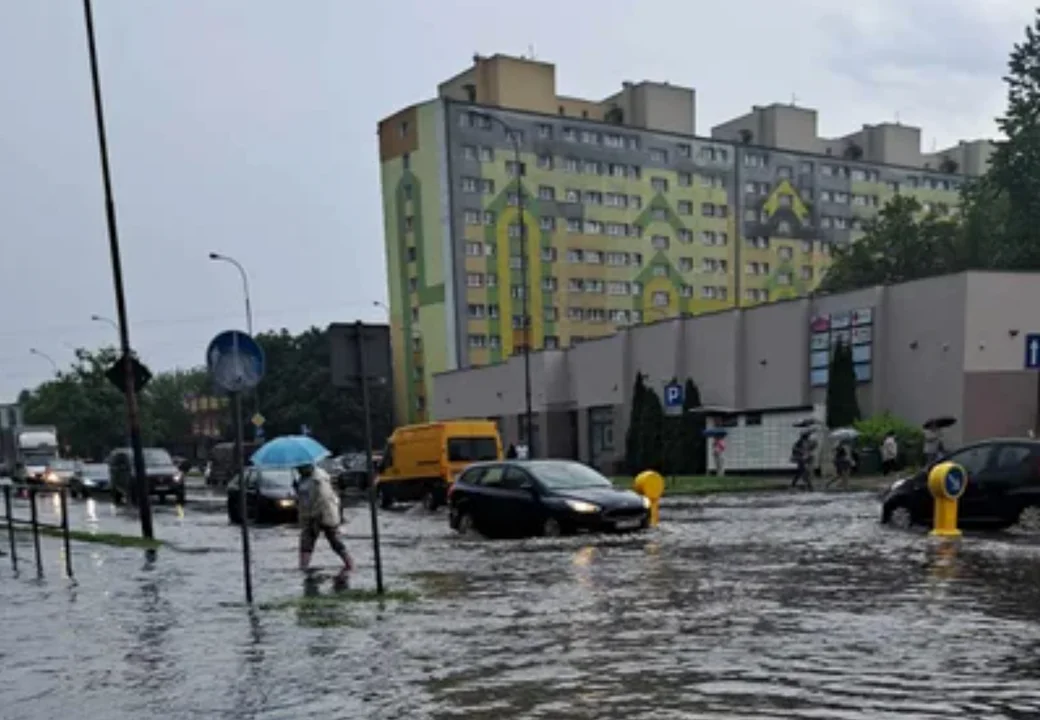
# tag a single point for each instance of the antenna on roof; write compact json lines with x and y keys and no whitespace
{"x":794,"y":99}
{"x":530,"y":51}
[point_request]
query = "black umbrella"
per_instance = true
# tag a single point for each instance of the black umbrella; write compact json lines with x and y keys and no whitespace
{"x":938,"y":423}
{"x":807,"y":423}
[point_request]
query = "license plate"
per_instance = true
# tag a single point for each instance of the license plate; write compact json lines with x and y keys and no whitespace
{"x":628,"y":524}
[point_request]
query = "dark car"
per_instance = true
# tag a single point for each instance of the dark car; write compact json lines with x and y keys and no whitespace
{"x":1003,"y":488}
{"x":270,"y":496}
{"x":91,"y":478}
{"x":223,"y":465}
{"x":523,"y":498}
{"x":165,"y":479}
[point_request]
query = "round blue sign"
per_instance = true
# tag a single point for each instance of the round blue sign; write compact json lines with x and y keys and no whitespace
{"x":953,"y":483}
{"x":235,"y":361}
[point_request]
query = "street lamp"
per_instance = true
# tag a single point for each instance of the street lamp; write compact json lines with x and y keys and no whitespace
{"x":245,"y":286}
{"x":45,"y":356}
{"x":525,"y":319}
{"x":106,"y":320}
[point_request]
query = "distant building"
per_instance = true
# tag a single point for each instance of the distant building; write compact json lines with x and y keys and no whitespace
{"x":953,"y":345}
{"x":630,"y":216}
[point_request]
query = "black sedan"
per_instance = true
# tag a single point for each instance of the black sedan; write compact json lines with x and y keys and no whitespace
{"x":1003,"y":488}
{"x":270,"y":496}
{"x":91,"y":478}
{"x":541,"y":497}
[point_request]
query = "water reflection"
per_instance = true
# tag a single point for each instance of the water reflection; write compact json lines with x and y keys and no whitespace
{"x":783,"y":606}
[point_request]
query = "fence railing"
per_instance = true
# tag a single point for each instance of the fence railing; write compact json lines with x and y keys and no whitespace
{"x":33,"y":522}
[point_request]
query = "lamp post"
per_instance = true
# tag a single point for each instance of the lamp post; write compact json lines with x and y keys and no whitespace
{"x":106,"y":320}
{"x":525,"y":319}
{"x":45,"y":356}
{"x":245,"y":286}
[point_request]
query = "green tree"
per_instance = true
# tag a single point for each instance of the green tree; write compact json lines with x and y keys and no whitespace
{"x":900,"y":244}
{"x":1014,"y":172}
{"x":633,"y":436}
{"x":652,"y":432}
{"x":842,"y":404}
{"x":693,"y":460}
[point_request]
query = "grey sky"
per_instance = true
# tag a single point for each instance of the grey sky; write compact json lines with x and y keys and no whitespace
{"x":248,"y":127}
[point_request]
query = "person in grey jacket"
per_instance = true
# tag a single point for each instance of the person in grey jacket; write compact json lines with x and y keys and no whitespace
{"x":319,"y":515}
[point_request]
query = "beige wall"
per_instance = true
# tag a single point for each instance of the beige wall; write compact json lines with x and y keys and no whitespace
{"x":942,"y":346}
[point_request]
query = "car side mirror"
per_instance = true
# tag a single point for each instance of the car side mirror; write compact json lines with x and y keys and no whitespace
{"x":528,"y":486}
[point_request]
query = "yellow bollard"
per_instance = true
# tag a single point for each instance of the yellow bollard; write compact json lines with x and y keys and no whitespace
{"x":650,"y":485}
{"x":947,"y":482}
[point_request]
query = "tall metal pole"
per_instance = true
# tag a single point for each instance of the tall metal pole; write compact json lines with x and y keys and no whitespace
{"x":45,"y":356}
{"x":143,"y":500}
{"x":525,"y":318}
{"x":243,"y":490}
{"x":359,"y":329}
{"x":249,"y":307}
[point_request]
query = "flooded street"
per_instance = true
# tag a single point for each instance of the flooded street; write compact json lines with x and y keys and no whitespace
{"x":792,"y":606}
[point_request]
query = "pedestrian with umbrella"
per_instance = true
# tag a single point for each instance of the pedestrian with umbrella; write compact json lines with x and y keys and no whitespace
{"x":718,"y":448}
{"x":317,"y":501}
{"x":843,"y":438}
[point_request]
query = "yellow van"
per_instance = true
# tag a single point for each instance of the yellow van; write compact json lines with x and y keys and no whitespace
{"x":421,"y":461}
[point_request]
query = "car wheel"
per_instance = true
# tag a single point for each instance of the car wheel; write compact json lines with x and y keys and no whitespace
{"x":552,"y":528}
{"x":429,"y":500}
{"x":232,"y":516}
{"x":386,"y":501}
{"x":1029,"y":519}
{"x":464,"y":525}
{"x":900,"y":517}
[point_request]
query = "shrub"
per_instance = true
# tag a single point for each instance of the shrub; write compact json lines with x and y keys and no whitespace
{"x":872,"y":431}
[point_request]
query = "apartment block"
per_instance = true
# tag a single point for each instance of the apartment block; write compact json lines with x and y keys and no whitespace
{"x":628,"y":215}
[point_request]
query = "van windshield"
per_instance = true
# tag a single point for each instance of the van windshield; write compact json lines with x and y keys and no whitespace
{"x":472,"y":449}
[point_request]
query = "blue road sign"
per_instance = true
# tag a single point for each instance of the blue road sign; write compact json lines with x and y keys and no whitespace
{"x":1033,"y":351}
{"x":954,"y":482}
{"x":235,"y":361}
{"x":673,"y":396}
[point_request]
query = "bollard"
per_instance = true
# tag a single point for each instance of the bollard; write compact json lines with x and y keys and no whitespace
{"x":10,"y":527}
{"x":35,"y":531}
{"x":650,"y":485}
{"x":946,"y":482}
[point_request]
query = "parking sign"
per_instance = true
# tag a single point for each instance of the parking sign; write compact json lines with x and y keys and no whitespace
{"x":673,"y":398}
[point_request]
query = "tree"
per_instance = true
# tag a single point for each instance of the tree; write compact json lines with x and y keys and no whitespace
{"x":652,"y":432}
{"x":693,"y":460}
{"x":901,"y":244}
{"x":1014,"y":172}
{"x":842,"y":404}
{"x":633,"y":437}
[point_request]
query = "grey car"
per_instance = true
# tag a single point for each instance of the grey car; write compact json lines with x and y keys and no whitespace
{"x":90,"y":479}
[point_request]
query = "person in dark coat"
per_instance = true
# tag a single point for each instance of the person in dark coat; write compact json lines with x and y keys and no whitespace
{"x":511,"y":452}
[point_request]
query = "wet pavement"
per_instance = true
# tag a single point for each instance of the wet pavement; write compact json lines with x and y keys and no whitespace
{"x":787,"y":606}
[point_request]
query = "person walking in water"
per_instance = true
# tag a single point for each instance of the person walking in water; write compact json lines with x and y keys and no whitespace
{"x":802,"y":457}
{"x":319,"y":515}
{"x":718,"y":451}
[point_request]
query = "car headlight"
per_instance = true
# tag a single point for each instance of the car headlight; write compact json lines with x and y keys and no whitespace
{"x":177,"y":477}
{"x":646,"y":502}
{"x":51,"y":477}
{"x":286,"y":503}
{"x":897,"y":484}
{"x":581,"y":506}
{"x":88,"y":482}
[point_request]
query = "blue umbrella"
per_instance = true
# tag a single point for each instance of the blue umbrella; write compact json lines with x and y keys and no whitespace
{"x":290,"y":451}
{"x":714,"y":432}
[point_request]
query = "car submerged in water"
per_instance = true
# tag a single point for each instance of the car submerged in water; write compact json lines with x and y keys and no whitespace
{"x":524,"y":498}
{"x":1003,"y":488}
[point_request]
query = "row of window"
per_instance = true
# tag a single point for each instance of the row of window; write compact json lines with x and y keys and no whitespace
{"x":589,"y":136}
{"x":783,"y":278}
{"x":548,"y":223}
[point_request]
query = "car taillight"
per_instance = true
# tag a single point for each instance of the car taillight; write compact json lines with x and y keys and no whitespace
{"x":451,"y":489}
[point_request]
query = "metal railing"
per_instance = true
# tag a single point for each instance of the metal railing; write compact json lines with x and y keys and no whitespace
{"x":33,"y":522}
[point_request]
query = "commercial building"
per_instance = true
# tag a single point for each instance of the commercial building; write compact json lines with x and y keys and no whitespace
{"x":629,"y":215}
{"x":953,"y":345}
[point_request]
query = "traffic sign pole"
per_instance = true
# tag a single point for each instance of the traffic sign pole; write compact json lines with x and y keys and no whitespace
{"x":368,"y":456}
{"x":243,"y":506}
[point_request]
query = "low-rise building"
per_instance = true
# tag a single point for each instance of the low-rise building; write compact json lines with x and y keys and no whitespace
{"x":952,"y":345}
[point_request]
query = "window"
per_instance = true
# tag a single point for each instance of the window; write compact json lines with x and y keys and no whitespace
{"x":409,"y":223}
{"x":637,"y":289}
{"x":784,"y":278}
{"x":974,"y":459}
{"x":593,"y":286}
{"x":593,"y":257}
{"x":615,"y":200}
{"x":618,"y":287}
{"x":1012,"y":457}
{"x":685,"y":207}
{"x":756,"y":295}
{"x":619,"y":316}
{"x":590,"y":137}
{"x":413,"y":284}
{"x":492,"y":311}
{"x":517,"y":291}
{"x":478,"y":341}
{"x":572,"y":165}
{"x":546,"y":192}
{"x":685,"y":150}
{"x":617,"y":229}
{"x":659,"y":214}
{"x":593,"y":197}
{"x":807,"y":272}
{"x":685,"y":179}
{"x":635,"y":202}
{"x":709,"y":210}
{"x":572,"y":195}
{"x":575,"y":256}
{"x":805,"y":168}
{"x":685,"y":235}
{"x":545,"y":162}
{"x":547,"y":223}
{"x":660,"y":242}
{"x":573,"y":225}
{"x":549,"y":254}
{"x":472,"y":217}
{"x":475,"y":249}
{"x":613,"y":140}
{"x":593,"y":227}
{"x":785,"y":253}
{"x":551,"y":342}
{"x":486,"y":154}
{"x":469,"y":152}
{"x":570,"y":134}
{"x":659,"y":184}
{"x":658,"y":155}
{"x":659,"y":271}
{"x":686,"y":291}
{"x":492,"y":280}
{"x":591,"y":167}
{"x":551,"y":314}
{"x":807,"y":246}
{"x":685,"y":264}
{"x":544,"y":130}
{"x":489,"y":217}
{"x":661,"y":298}
{"x":515,"y":231}
{"x":754,"y":160}
{"x":474,"y":280}
{"x":406,"y":161}
{"x":575,"y":313}
{"x":514,"y":168}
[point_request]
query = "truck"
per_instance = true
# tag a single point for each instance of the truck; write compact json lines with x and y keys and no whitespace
{"x":25,"y":450}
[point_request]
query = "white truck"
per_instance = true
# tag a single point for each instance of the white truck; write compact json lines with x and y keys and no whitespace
{"x":25,"y":450}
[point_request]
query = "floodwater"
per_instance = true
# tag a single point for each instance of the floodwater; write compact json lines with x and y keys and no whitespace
{"x":785,"y":606}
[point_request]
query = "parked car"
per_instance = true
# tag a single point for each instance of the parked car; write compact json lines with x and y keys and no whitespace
{"x":1003,"y":488}
{"x":91,"y":478}
{"x":60,"y":472}
{"x":270,"y":496}
{"x":223,"y":465}
{"x":164,"y":478}
{"x":541,"y":497}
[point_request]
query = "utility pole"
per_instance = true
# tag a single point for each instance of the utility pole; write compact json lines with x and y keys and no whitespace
{"x":143,"y":499}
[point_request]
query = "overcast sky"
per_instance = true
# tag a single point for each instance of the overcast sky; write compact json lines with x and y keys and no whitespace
{"x":248,"y":127}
